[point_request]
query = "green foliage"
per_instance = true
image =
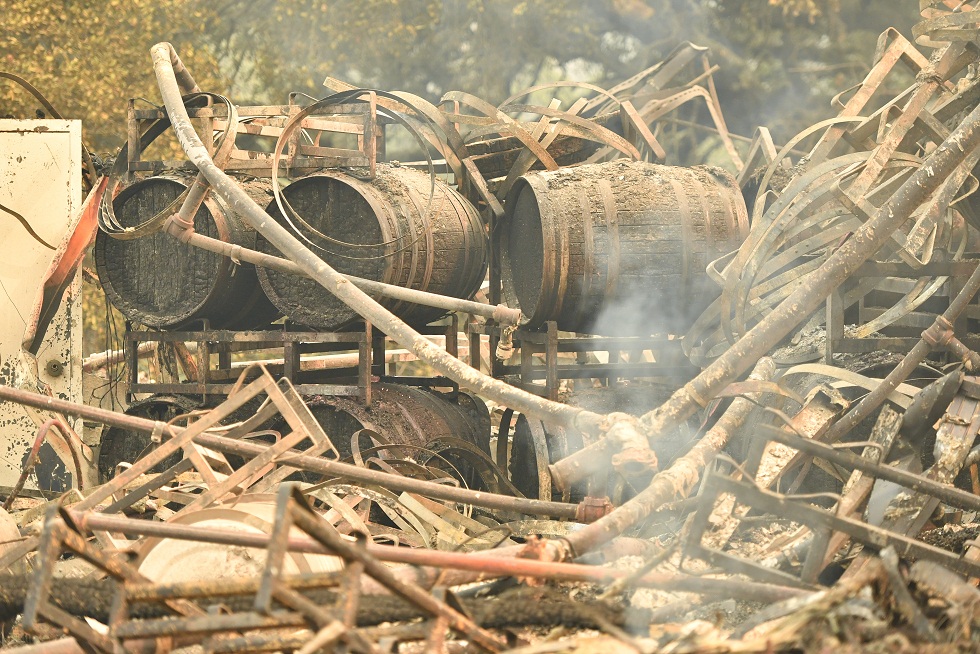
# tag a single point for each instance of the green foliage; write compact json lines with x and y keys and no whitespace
{"x":427,"y":46}
{"x":88,"y":58}
{"x":781,"y":60}
{"x":781,"y":65}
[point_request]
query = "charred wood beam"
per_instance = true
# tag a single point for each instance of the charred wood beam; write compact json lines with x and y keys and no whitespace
{"x":94,"y":599}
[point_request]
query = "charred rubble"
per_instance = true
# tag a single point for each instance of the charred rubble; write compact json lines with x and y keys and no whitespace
{"x":538,"y":390}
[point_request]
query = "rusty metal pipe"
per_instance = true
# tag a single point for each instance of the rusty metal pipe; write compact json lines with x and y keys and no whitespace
{"x":677,"y":481}
{"x":183,"y":76}
{"x":624,"y":436}
{"x":198,"y":190}
{"x":349,"y":359}
{"x":299,"y":460}
{"x":328,"y":535}
{"x":116,"y":523}
{"x":397,"y":483}
{"x":970,"y":358}
{"x":488,"y":563}
{"x":582,"y":464}
{"x":812,"y":290}
{"x":317,"y":269}
{"x":501,"y":313}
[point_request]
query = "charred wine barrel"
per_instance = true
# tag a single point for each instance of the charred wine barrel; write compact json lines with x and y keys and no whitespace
{"x":120,"y":445}
{"x":403,"y":415}
{"x":535,"y":444}
{"x":169,"y":560}
{"x":619,"y":248}
{"x":424,"y":420}
{"x":158,"y":281}
{"x":385,"y":230}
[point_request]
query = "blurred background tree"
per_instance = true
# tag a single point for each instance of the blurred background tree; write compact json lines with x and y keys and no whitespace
{"x":88,"y":58}
{"x":781,"y":61}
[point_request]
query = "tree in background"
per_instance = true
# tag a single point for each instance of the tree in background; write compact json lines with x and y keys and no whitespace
{"x":88,"y":58}
{"x":780,"y":61}
{"x":782,"y":66}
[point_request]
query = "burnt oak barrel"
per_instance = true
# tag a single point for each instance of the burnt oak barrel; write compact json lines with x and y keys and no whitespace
{"x":119,"y":445}
{"x":431,"y":423}
{"x":156,"y":280}
{"x":441,"y":250}
{"x":536,"y":444}
{"x":619,"y":248}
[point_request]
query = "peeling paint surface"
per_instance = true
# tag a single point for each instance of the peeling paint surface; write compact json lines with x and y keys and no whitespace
{"x":40,"y":192}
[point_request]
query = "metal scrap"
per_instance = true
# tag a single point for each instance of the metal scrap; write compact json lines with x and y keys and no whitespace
{"x":807,"y":487}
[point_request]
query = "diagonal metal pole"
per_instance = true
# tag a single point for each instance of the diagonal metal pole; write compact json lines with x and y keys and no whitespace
{"x":810,"y":294}
{"x":165,"y":64}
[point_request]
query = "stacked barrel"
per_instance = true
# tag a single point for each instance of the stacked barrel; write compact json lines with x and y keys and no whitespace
{"x":618,"y":248}
{"x":402,"y":228}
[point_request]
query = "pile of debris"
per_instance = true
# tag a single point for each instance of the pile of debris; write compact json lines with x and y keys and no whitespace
{"x":822,"y":484}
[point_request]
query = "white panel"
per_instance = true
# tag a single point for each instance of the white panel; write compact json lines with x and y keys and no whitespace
{"x":40,"y":179}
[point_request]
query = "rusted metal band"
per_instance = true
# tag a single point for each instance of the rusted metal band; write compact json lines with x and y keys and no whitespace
{"x":694,"y":395}
{"x":685,"y":220}
{"x":588,"y":252}
{"x":611,"y":212}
